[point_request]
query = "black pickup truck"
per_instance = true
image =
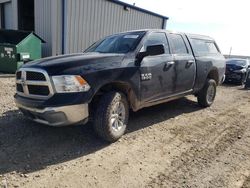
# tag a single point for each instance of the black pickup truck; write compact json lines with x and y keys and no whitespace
{"x":129,"y":70}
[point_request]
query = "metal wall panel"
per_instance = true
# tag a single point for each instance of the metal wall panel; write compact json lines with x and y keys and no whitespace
{"x":56,"y":21}
{"x":8,"y":18}
{"x":0,"y":17}
{"x":70,"y":26}
{"x":4,"y":1}
{"x":43,"y":24}
{"x":10,"y":14}
{"x":87,"y":21}
{"x":14,"y":14}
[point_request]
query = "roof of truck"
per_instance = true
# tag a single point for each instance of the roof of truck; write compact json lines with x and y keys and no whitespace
{"x":197,"y":36}
{"x":189,"y":35}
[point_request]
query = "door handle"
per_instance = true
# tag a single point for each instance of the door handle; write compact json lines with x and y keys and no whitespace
{"x":189,"y":63}
{"x":168,"y":65}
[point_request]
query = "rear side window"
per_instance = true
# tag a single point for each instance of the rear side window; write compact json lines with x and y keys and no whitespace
{"x":156,"y":39}
{"x":177,"y":43}
{"x":212,"y":48}
{"x":201,"y":47}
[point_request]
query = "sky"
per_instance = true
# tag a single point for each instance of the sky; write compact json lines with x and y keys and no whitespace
{"x":228,"y":22}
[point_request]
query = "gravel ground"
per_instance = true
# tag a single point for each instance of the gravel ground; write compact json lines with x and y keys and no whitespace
{"x":177,"y":144}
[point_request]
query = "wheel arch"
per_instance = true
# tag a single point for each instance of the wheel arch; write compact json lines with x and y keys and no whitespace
{"x":119,"y":86}
{"x":214,"y":74}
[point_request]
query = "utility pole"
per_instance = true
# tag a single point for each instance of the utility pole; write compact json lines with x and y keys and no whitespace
{"x":230,"y":51}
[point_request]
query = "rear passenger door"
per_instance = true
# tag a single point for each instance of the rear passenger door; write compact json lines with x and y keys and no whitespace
{"x":185,"y":68}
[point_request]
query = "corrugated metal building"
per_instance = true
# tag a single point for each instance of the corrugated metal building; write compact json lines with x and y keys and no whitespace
{"x":70,"y":26}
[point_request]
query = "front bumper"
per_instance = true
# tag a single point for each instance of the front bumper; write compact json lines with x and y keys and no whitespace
{"x":234,"y":76}
{"x":57,"y":116}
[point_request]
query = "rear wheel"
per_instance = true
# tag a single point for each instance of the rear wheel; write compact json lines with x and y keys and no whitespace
{"x":111,"y":116}
{"x":207,"y":95}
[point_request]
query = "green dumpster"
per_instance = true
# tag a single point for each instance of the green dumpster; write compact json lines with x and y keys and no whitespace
{"x":18,"y":47}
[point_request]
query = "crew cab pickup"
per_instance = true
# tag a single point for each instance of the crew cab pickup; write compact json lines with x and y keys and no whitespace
{"x":129,"y":70}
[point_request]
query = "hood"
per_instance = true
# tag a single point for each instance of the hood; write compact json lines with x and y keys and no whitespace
{"x":233,"y":67}
{"x":65,"y":64}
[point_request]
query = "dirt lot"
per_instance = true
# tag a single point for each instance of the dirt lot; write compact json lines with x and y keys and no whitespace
{"x":176,"y":144}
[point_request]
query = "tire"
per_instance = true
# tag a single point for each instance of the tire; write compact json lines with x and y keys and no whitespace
{"x":207,"y":95}
{"x":111,"y":116}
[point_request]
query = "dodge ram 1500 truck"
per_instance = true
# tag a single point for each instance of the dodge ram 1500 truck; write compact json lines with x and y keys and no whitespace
{"x":129,"y":70}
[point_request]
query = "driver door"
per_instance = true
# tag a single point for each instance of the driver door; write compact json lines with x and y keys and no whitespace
{"x":157,"y":72}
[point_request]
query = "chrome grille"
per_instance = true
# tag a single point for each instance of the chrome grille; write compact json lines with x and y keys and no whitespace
{"x":19,"y":88}
{"x":31,"y":75}
{"x":33,"y":83}
{"x":38,"y":90}
{"x":18,"y":75}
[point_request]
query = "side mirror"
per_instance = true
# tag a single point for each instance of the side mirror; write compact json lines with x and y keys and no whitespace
{"x":151,"y":51}
{"x":155,"y":50}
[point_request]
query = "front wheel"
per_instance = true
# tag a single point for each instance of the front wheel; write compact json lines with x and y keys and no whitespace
{"x":207,"y":95}
{"x":111,"y":116}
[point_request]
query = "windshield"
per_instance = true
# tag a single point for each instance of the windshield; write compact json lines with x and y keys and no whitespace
{"x":120,"y":43}
{"x":237,"y":62}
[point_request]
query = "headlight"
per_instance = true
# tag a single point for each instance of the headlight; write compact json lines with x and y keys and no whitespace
{"x":70,"y":83}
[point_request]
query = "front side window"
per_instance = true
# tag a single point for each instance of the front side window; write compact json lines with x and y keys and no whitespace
{"x":177,"y":43}
{"x":120,"y":43}
{"x":156,"y":39}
